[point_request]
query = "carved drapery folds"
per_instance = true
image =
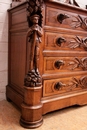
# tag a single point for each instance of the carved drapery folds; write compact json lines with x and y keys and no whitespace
{"x":34,"y":34}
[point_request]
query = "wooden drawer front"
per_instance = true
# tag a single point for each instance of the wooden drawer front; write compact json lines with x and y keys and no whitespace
{"x":60,"y":41}
{"x":65,"y":19}
{"x":64,"y":85}
{"x":64,"y":64}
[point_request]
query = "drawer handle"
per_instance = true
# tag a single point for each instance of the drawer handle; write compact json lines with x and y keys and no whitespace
{"x":61,"y":17}
{"x":59,"y":86}
{"x":60,"y":40}
{"x":59,"y":63}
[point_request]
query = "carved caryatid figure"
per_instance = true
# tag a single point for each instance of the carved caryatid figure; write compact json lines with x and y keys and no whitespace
{"x":34,"y":34}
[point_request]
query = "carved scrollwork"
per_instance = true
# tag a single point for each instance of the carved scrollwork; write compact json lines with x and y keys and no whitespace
{"x":78,"y":42}
{"x":79,"y":63}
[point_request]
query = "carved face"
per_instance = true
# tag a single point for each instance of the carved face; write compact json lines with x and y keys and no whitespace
{"x":35,"y":19}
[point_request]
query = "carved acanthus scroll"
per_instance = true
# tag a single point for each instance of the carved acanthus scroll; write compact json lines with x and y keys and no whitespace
{"x":33,"y":40}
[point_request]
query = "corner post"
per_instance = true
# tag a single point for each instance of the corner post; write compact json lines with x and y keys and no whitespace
{"x":31,"y":116}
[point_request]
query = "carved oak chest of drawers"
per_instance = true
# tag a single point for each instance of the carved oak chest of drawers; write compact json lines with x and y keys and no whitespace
{"x":47,"y":58}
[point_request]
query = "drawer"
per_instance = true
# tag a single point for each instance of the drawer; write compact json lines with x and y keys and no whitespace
{"x":65,"y":41}
{"x":64,"y":64}
{"x":64,"y":85}
{"x":63,"y":18}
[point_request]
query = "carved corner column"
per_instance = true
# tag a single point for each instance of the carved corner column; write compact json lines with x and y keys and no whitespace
{"x":32,"y":107}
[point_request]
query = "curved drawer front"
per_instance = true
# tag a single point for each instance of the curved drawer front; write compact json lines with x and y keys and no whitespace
{"x":64,"y":64}
{"x":65,"y":19}
{"x":65,"y":41}
{"x":64,"y":85}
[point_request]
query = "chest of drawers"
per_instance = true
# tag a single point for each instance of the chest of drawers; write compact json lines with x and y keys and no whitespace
{"x":47,"y":58}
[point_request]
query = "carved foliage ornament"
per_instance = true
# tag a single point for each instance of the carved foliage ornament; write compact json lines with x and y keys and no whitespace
{"x":78,"y":42}
{"x":34,"y":7}
{"x":79,"y":63}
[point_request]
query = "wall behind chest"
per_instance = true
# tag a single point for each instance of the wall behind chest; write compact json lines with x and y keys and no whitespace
{"x":4,"y":5}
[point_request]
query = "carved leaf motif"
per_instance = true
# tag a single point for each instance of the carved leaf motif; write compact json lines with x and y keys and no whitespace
{"x":79,"y":63}
{"x":81,"y":22}
{"x":82,"y":82}
{"x":78,"y":42}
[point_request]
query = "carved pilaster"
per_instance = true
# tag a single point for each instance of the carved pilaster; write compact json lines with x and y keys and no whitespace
{"x":32,"y":107}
